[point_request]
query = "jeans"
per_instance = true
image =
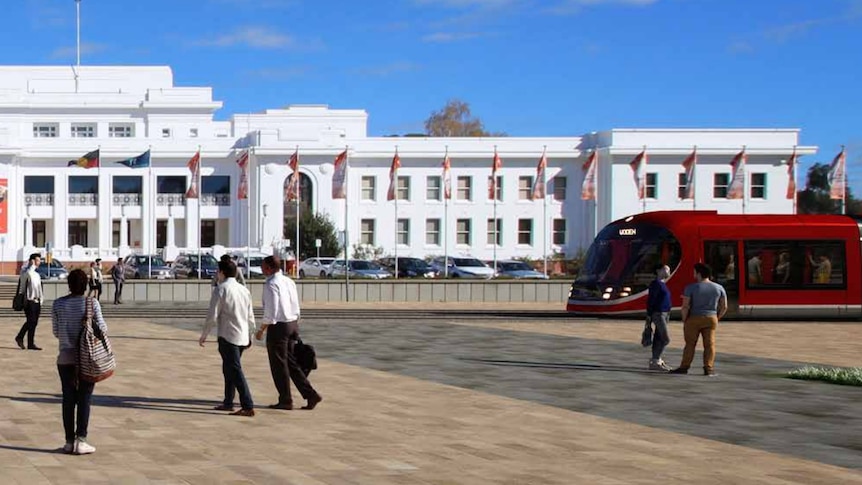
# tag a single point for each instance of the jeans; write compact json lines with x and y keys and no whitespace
{"x":693,"y":328}
{"x":280,"y":340}
{"x":660,"y":337}
{"x":234,"y":379}
{"x":76,"y":393}
{"x":32,"y":310}
{"x":118,"y":291}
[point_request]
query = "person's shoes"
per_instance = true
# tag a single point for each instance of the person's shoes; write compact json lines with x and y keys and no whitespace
{"x":83,"y":448}
{"x":68,"y":448}
{"x":678,"y":370}
{"x":20,"y":342}
{"x":659,"y":365}
{"x":33,"y":347}
{"x":286,"y":407}
{"x":243,"y":412}
{"x":222,"y":407}
{"x":709,"y":372}
{"x":312,"y":402}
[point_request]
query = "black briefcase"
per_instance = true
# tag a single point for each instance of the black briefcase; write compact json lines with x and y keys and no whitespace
{"x":306,"y":357}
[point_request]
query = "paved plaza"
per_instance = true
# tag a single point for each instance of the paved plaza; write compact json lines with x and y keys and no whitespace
{"x":448,"y":400}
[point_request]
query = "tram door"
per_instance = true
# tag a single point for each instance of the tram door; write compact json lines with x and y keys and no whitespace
{"x":722,"y":257}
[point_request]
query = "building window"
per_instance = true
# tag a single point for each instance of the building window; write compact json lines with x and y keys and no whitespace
{"x":45,"y":130}
{"x":78,"y":233}
{"x":115,"y":233}
{"x":368,"y":187}
{"x":432,"y":232}
{"x":40,"y":233}
{"x":83,"y":184}
{"x":166,"y":132}
{"x":403,"y":232}
{"x":498,"y":188}
{"x":758,"y":186}
{"x":720,"y":181}
{"x":462,"y":231}
{"x":208,"y":232}
{"x":83,"y":130}
{"x":367,"y":232}
{"x":525,"y":188}
{"x":465,"y":188}
{"x":403,"y":188}
{"x":560,"y":183}
{"x":433,"y":187}
{"x":525,"y":231}
{"x":498,"y":236}
{"x":128,"y":184}
{"x":681,"y":185}
{"x":161,"y":233}
{"x":651,"y":191}
{"x":559,"y":236}
{"x":38,"y":184}
{"x":215,"y":184}
{"x":171,"y":184}
{"x":193,"y":133}
{"x":121,"y":130}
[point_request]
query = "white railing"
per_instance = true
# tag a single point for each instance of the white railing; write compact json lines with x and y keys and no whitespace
{"x":82,"y":199}
{"x":215,"y":199}
{"x":39,"y":199}
{"x":127,"y":199}
{"x":171,"y":199}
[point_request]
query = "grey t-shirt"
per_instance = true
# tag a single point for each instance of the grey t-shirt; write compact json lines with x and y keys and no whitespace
{"x":704,"y":298}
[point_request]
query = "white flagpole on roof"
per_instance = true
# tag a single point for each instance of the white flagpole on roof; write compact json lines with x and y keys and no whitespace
{"x":298,"y":187}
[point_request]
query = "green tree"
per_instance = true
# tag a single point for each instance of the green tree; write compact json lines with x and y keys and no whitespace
{"x":814,"y":199}
{"x":455,"y":119}
{"x":312,"y":227}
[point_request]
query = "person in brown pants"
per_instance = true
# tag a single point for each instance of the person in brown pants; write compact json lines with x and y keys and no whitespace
{"x":703,"y":304}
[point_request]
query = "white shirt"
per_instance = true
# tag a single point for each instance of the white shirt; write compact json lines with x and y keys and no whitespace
{"x":280,"y":300}
{"x":33,"y":289}
{"x":230,"y":308}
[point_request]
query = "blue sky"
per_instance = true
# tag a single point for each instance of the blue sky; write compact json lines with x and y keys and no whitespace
{"x":527,"y":67}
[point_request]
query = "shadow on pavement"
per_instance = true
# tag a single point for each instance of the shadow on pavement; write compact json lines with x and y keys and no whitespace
{"x":58,"y":451}
{"x":563,"y":365}
{"x":192,"y":406}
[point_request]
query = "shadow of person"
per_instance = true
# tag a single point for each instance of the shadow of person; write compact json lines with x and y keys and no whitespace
{"x":192,"y":406}
{"x":58,"y":451}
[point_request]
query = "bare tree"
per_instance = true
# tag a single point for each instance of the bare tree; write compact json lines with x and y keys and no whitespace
{"x":455,"y":119}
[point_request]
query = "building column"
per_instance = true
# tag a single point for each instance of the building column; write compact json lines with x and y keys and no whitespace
{"x":28,"y":231}
{"x":124,"y":231}
{"x":171,"y":240}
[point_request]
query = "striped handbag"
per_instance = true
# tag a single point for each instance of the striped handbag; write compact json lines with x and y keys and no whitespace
{"x":95,"y":356}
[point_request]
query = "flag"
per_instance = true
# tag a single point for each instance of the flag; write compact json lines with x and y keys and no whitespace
{"x":393,"y":177}
{"x":588,"y":189}
{"x":242,"y":190}
{"x":194,"y":165}
{"x":141,"y":161}
{"x":339,"y":187}
{"x":90,"y":160}
{"x":791,"y":175}
{"x":688,"y":164}
{"x":497,"y":164}
{"x":538,"y":191}
{"x":447,"y":178}
{"x":736,"y":189}
{"x":837,"y":176}
{"x":291,"y":191}
{"x":638,"y":165}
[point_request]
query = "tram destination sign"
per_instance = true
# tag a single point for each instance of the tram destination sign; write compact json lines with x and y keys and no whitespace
{"x":628,"y":231}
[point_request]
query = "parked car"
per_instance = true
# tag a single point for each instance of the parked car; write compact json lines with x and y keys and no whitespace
{"x":249,"y":263}
{"x":517,"y":270}
{"x":317,"y":267}
{"x":408,"y":267}
{"x":359,"y":268}
{"x":461,"y":267}
{"x":146,"y":266}
{"x":186,"y":266}
{"x":54,"y":271}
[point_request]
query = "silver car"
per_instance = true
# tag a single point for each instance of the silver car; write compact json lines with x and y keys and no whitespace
{"x":316,"y":267}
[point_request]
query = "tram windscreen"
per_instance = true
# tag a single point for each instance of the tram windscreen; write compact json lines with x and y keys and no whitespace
{"x":623,"y":259}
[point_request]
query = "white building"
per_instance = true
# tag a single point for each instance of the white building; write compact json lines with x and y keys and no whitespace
{"x":50,"y":115}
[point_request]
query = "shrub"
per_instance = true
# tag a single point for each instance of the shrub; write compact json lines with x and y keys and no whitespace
{"x":846,"y":376}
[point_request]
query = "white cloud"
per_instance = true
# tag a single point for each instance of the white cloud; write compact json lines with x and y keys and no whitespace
{"x":447,"y":37}
{"x":259,"y":3}
{"x":280,"y":73}
{"x":70,"y":52}
{"x":256,"y":37}
{"x":468,"y":3}
{"x":569,"y":7}
{"x":388,"y":69}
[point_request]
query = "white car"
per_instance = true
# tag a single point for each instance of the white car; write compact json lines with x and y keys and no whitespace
{"x":316,"y":267}
{"x":253,"y":260}
{"x":463,"y":267}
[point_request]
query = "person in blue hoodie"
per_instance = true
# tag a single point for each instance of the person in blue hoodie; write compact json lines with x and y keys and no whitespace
{"x":658,"y":309}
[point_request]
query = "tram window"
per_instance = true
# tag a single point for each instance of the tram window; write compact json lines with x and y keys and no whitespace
{"x":794,"y":264}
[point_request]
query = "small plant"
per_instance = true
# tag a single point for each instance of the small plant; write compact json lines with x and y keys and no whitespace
{"x":845,"y":376}
{"x":367,"y":251}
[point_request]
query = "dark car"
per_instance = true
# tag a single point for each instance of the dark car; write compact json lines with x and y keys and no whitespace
{"x":186,"y":266}
{"x":50,"y":272}
{"x":146,"y":266}
{"x":408,"y":267}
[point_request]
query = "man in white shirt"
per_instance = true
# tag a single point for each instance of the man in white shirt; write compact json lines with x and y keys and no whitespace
{"x":231,"y":310}
{"x":30,"y":284}
{"x":281,"y":325}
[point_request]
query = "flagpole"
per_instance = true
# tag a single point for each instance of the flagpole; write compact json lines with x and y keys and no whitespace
{"x":346,"y":219}
{"x":793,"y":159}
{"x":395,"y":181}
{"x":545,"y":213}
{"x":99,"y":202}
{"x":596,"y":198}
{"x":844,"y":177}
{"x":298,"y":186}
{"x":693,"y":178}
{"x":150,"y":220}
{"x":248,"y":216}
{"x":744,"y":179}
{"x":446,"y":214}
{"x":200,"y":198}
{"x":642,"y":180}
{"x":494,"y":195}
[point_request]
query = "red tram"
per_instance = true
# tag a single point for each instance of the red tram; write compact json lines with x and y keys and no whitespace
{"x":770,"y":265}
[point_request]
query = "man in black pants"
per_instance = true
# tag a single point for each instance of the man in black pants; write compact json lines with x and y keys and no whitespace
{"x":30,"y":284}
{"x":281,"y":324}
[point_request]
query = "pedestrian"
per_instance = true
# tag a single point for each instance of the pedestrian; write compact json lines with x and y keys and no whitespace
{"x":239,"y":277}
{"x":30,"y":285}
{"x":97,"y":279}
{"x":704,"y":303}
{"x":67,"y":314}
{"x":91,"y":279}
{"x":281,"y":325}
{"x":232,"y":314}
{"x":118,"y":275}
{"x":658,"y":310}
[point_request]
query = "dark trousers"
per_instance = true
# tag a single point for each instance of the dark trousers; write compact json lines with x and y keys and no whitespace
{"x":660,"y":337}
{"x":76,"y":394}
{"x":118,"y":292}
{"x":234,"y":379}
{"x":32,"y":310}
{"x":280,"y":339}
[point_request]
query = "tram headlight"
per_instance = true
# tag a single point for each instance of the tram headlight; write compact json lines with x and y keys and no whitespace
{"x":606,"y":296}
{"x":627,"y":289}
{"x":608,"y":289}
{"x":624,"y":293}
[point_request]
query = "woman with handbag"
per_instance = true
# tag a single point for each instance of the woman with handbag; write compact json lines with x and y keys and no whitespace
{"x":67,"y":316}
